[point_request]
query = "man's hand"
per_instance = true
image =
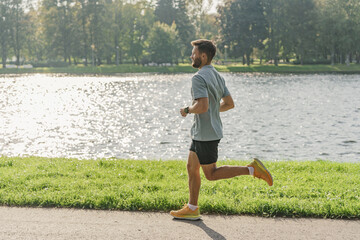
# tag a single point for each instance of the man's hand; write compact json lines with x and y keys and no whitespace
{"x":182,"y":112}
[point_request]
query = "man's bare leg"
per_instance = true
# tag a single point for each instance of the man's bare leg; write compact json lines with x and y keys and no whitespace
{"x":193,"y":168}
{"x":215,"y":173}
{"x":191,"y":211}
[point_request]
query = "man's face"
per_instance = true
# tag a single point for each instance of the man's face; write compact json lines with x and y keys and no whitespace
{"x":196,"y":58}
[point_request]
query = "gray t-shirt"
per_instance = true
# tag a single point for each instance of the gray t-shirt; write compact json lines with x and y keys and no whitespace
{"x":207,"y":82}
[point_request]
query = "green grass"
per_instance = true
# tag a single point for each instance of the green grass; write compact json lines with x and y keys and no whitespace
{"x":290,"y":68}
{"x":301,"y":189}
{"x":186,"y":68}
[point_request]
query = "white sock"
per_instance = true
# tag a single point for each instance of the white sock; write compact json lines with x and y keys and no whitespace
{"x":251,"y":170}
{"x":192,"y":207}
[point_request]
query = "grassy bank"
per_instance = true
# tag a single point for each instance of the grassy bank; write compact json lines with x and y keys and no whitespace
{"x":301,"y":189}
{"x":105,"y":69}
{"x":186,"y":68}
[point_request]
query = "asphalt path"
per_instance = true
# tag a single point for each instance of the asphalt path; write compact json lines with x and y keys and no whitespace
{"x":57,"y":223}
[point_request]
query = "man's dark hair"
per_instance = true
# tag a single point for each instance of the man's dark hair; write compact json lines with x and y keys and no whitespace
{"x":205,"y":46}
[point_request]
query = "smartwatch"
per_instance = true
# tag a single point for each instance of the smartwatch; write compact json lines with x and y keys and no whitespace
{"x":186,"y":110}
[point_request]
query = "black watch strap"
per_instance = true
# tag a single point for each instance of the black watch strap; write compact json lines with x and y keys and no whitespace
{"x":186,"y":110}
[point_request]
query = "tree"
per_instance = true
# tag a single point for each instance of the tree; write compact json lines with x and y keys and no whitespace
{"x":243,"y":25}
{"x":329,"y":27}
{"x":209,"y":28}
{"x":165,"y":11}
{"x":137,"y":19}
{"x":198,"y":10}
{"x":351,"y":23}
{"x":301,"y":25}
{"x":5,"y":25}
{"x":97,"y":25}
{"x":114,"y":34}
{"x":163,"y":44}
{"x":339,"y":29}
{"x":57,"y":19}
{"x":82,"y":17}
{"x":17,"y":27}
{"x":185,"y":29}
{"x":33,"y":46}
{"x":276,"y":30}
{"x":176,"y":11}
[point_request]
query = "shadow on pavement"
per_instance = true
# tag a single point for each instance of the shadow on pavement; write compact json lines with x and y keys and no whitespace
{"x":200,"y":223}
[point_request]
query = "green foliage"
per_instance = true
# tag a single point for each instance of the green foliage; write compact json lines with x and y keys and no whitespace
{"x":13,"y":23}
{"x":176,"y":11}
{"x":163,"y":43}
{"x":339,"y":28}
{"x":301,"y":189}
{"x":5,"y":26}
{"x":102,"y":31}
{"x":165,"y":11}
{"x":305,"y":29}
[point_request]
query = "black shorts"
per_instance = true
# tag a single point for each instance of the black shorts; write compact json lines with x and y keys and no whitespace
{"x":207,"y":152}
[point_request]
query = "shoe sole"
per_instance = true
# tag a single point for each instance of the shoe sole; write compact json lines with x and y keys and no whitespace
{"x":264,"y":169}
{"x":190,"y":219}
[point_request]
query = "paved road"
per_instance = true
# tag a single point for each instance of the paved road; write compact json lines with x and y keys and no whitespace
{"x":49,"y":223}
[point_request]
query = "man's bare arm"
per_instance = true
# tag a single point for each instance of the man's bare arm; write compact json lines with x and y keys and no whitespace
{"x":227,"y":103}
{"x":200,"y":105}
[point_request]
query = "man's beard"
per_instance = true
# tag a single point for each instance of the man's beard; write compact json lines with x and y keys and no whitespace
{"x":197,"y":63}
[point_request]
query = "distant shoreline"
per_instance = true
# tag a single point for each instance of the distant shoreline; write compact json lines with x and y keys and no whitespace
{"x":186,"y":68}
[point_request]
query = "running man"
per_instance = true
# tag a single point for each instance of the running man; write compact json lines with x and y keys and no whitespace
{"x":210,"y":97}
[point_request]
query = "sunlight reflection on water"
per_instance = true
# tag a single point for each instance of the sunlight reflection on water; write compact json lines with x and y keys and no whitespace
{"x":136,"y":116}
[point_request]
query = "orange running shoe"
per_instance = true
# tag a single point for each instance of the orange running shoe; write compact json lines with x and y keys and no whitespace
{"x":186,"y":213}
{"x":260,"y":171}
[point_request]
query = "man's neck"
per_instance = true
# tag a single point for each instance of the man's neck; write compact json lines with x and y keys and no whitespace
{"x":204,"y":65}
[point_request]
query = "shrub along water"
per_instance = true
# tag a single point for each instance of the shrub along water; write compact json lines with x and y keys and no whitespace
{"x":301,"y":189}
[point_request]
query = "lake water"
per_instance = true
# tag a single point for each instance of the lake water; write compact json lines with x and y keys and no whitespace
{"x":276,"y":117}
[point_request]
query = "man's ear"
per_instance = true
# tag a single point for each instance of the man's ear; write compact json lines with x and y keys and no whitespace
{"x":204,"y":57}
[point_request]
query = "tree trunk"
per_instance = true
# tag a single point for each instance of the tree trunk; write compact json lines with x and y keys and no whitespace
{"x":18,"y":57}
{"x":83,"y":23}
{"x":120,"y":56}
{"x":275,"y":53}
{"x":332,"y":56}
{"x":248,"y":58}
{"x":4,"y":53}
{"x":17,"y":43}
